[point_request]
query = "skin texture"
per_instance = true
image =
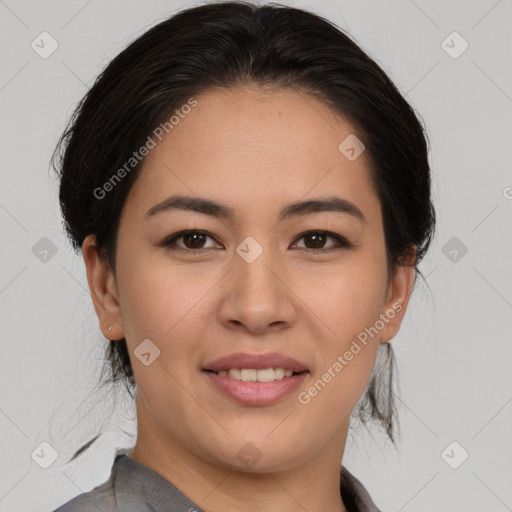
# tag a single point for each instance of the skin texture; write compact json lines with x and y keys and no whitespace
{"x":256,"y":151}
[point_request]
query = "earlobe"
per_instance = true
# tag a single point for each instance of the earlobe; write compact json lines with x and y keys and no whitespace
{"x":398,"y":294}
{"x":103,"y":290}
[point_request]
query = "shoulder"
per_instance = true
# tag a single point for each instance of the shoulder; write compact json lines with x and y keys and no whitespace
{"x":101,"y":498}
{"x":354,"y":494}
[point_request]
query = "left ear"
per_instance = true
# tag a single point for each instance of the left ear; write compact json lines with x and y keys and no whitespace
{"x":398,"y":295}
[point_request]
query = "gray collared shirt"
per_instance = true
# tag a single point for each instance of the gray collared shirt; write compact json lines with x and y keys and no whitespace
{"x":133,"y":487}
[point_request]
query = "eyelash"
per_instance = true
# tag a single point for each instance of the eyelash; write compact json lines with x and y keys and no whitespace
{"x":170,"y":242}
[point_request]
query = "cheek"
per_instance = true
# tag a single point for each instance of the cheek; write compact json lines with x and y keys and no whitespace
{"x":346,"y":356}
{"x":349,"y":303}
{"x":158,"y":300}
{"x":348,"y":299}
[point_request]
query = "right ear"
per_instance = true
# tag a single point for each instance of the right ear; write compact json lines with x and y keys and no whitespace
{"x":103,"y":290}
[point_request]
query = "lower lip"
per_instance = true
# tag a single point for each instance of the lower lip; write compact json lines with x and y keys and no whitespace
{"x":256,"y":393}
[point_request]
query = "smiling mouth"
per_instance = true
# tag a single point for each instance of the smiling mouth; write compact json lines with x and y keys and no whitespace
{"x":256,"y":375}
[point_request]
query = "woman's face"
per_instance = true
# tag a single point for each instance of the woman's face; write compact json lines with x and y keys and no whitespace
{"x":256,"y":291}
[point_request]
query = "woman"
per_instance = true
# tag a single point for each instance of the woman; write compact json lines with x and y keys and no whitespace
{"x":251,"y":196}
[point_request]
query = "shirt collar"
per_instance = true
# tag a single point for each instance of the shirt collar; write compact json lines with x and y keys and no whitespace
{"x":133,"y":481}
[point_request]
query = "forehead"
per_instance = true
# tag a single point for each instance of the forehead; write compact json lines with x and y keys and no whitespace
{"x":252,"y":146}
{"x":242,"y":126}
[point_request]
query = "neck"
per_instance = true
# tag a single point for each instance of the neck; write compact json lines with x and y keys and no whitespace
{"x":312,"y":485}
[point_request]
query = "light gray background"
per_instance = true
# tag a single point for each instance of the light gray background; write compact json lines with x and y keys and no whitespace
{"x":454,"y":349}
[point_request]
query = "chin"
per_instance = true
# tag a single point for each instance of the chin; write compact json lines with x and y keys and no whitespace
{"x":258,"y":454}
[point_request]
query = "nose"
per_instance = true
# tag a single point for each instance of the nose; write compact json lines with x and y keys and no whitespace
{"x":256,"y":296}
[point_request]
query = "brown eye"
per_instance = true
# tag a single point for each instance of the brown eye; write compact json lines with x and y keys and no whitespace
{"x":316,"y":240}
{"x":193,"y":241}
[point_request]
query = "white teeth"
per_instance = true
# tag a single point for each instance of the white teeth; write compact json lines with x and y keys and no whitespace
{"x":267,"y":375}
{"x":234,"y":373}
{"x":279,"y":373}
{"x":250,"y":375}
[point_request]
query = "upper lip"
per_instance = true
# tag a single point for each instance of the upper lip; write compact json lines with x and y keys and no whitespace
{"x":256,"y":362}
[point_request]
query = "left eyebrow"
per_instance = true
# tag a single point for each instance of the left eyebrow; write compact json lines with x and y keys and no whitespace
{"x":215,"y":209}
